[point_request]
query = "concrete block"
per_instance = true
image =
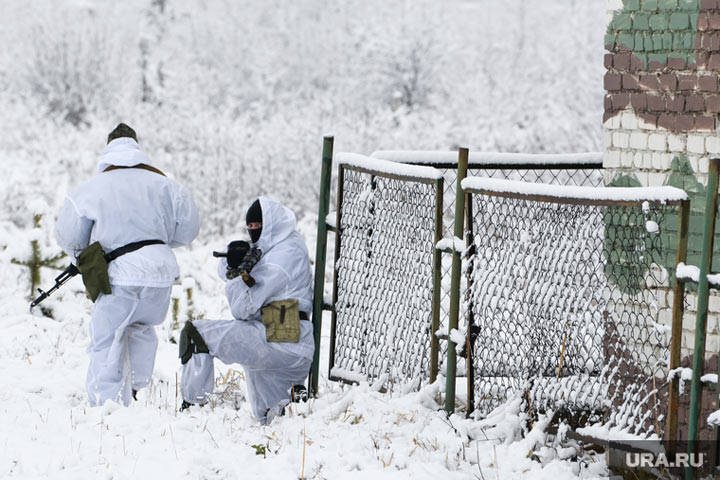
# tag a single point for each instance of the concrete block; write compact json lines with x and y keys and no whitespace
{"x":657,"y":141}
{"x":696,"y":144}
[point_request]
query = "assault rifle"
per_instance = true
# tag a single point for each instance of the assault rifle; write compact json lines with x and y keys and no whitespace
{"x":250,"y":259}
{"x":60,"y":280}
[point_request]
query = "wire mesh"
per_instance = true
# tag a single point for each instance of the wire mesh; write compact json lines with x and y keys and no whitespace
{"x":384,"y":280}
{"x":588,"y":176}
{"x":564,"y":300}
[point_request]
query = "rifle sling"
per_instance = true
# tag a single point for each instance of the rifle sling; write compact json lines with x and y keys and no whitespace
{"x":130,"y":247}
{"x":139,"y":165}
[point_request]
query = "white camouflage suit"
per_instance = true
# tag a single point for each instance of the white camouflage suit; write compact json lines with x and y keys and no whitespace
{"x":116,"y":208}
{"x":283,"y":273}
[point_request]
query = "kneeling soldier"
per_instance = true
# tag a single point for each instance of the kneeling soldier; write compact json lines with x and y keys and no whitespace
{"x":269,"y":289}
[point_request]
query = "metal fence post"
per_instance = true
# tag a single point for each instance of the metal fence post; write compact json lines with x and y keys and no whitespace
{"x":702,"y":308}
{"x":437,"y":281}
{"x":678,"y":310}
{"x":320,"y":257}
{"x":455,"y":283}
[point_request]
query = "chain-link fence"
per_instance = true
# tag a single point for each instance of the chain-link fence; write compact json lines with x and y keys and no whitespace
{"x":582,"y":169}
{"x":563,"y":307}
{"x":384,"y":277}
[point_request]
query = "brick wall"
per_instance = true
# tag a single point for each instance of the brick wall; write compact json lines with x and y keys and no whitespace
{"x":661,"y":127}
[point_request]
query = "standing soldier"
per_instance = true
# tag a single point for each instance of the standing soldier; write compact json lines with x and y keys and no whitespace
{"x":120,"y":227}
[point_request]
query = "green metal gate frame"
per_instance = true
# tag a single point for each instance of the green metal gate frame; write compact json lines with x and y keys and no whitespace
{"x":319,"y":305}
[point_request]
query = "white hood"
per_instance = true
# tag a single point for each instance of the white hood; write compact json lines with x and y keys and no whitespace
{"x":278,"y":222}
{"x":122,"y":152}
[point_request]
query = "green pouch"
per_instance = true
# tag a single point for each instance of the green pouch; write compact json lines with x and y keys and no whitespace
{"x":282,"y":321}
{"x":93,"y":267}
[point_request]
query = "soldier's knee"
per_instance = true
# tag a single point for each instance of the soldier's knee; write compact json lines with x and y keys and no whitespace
{"x":191,"y":342}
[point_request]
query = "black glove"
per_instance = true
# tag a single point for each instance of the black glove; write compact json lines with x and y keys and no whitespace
{"x":236,"y":252}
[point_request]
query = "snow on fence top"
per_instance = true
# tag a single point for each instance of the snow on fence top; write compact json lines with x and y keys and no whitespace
{"x":388,"y":167}
{"x":590,"y":194}
{"x":491,"y":158}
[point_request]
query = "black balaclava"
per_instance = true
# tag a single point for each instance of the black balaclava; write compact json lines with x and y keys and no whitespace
{"x":254,"y":214}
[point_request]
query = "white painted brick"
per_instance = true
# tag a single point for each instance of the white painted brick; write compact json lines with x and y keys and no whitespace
{"x":639,"y":140}
{"x":712,"y":323}
{"x":611,"y":159}
{"x":691,"y":301}
{"x":712,"y":144}
{"x":696,"y":144}
{"x":676,"y":143}
{"x":688,"y":339}
{"x":688,"y":323}
{"x":621,"y":139}
{"x":712,"y":342}
{"x":612,"y":123}
{"x":628,"y":121}
{"x":662,"y":161}
{"x":608,"y":175}
{"x":607,"y":139}
{"x":702,"y":178}
{"x":703,"y":165}
{"x":647,"y":160}
{"x":638,"y":160}
{"x":657,"y":141}
{"x":667,"y":160}
{"x":642,"y":177}
{"x":694,"y":162}
{"x":626,"y":159}
{"x":714,"y":304}
{"x":656,"y":179}
{"x":665,"y":316}
{"x":613,"y":5}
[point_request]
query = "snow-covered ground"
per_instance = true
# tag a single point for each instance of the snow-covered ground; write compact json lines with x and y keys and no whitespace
{"x":47,"y":429}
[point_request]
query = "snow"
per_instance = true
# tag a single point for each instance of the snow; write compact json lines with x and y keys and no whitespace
{"x":387,"y":167}
{"x":688,"y":272}
{"x":628,"y":194}
{"x":713,"y":279}
{"x":477,"y":159}
{"x":331,"y":220}
{"x":451,"y":244}
{"x":709,"y":378}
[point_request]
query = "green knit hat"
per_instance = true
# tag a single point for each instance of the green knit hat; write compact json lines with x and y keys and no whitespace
{"x":122,"y":130}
